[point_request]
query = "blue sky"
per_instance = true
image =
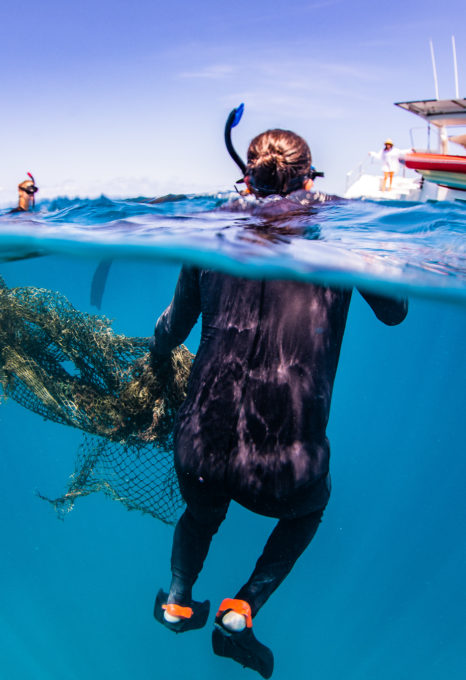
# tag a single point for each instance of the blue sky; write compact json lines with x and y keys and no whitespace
{"x":131,"y":97}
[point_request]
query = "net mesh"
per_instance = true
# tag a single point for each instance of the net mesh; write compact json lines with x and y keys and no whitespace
{"x":72,"y":368}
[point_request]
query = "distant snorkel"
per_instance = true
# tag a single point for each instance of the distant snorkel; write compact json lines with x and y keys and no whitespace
{"x":31,"y":190}
{"x":262,"y":189}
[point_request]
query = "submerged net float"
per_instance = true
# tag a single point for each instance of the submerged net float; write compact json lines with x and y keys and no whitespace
{"x":72,"y":368}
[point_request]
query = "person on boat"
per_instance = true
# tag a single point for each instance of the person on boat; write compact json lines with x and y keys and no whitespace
{"x":390,"y":157}
{"x":26,"y":195}
{"x":253,"y":425}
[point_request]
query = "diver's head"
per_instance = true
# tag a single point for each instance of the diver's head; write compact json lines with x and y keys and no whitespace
{"x":26,"y":191}
{"x":279,"y":162}
{"x":388,"y":144}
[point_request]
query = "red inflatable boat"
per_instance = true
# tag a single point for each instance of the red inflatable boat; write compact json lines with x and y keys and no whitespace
{"x":442,"y":169}
{"x":435,"y":161}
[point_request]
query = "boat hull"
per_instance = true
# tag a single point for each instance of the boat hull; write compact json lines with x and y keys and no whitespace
{"x":367,"y":187}
{"x":435,"y":162}
{"x":445,"y":170}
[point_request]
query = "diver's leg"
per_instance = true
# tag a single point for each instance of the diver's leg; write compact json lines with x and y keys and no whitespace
{"x":206,"y":509}
{"x":233,"y":636}
{"x":177,"y":610}
{"x":384,"y":181}
{"x":191,"y":542}
{"x":286,"y":543}
{"x":390,"y":178}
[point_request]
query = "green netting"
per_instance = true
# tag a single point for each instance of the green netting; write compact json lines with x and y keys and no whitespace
{"x":71,"y":368}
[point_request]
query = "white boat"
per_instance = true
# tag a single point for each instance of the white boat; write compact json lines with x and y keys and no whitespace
{"x":425,"y":175}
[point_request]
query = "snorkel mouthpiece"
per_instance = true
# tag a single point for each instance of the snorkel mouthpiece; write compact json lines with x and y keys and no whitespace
{"x":232,"y":121}
{"x":314,"y":173}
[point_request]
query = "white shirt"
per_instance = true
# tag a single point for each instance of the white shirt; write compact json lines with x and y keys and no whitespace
{"x":389,"y":157}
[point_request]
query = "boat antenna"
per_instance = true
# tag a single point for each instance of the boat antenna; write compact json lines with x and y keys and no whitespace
{"x":434,"y":68}
{"x":455,"y":66}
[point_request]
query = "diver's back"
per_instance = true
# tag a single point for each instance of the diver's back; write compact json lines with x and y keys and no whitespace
{"x":270,"y":324}
{"x":259,"y":394}
{"x":268,"y":345}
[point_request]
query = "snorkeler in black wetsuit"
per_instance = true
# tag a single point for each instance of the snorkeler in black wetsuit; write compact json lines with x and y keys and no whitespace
{"x":253,"y":426}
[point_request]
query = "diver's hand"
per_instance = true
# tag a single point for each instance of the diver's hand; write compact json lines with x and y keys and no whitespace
{"x":158,"y":362}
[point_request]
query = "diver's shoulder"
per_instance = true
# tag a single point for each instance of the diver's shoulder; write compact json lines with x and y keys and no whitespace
{"x":248,"y":203}
{"x":304,"y":197}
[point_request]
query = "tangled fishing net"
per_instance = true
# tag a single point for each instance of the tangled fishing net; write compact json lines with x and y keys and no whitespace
{"x":73,"y":369}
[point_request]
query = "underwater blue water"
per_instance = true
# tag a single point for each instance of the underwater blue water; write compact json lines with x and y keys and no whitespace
{"x":380,"y":593}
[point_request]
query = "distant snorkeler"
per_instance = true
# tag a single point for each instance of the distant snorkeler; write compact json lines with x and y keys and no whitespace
{"x":253,"y":426}
{"x":26,"y":195}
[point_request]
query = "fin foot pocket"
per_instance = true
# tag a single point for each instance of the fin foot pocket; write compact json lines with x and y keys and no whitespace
{"x":195,"y":614}
{"x":244,"y":648}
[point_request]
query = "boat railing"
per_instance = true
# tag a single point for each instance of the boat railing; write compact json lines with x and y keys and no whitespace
{"x":420,"y":137}
{"x":353,"y":175}
{"x":366,"y":167}
{"x":370,"y":166}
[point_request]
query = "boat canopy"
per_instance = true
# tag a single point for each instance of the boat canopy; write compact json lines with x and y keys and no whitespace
{"x":439,"y":112}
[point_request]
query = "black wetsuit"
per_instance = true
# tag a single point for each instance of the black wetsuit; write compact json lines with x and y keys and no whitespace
{"x":252,"y":427}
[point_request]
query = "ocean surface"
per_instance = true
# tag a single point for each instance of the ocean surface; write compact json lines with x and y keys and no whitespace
{"x":380,"y":593}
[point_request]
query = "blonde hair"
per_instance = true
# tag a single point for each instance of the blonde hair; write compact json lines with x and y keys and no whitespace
{"x":278,"y":162}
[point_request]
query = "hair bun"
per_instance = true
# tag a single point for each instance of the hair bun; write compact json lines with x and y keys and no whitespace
{"x":277,"y":160}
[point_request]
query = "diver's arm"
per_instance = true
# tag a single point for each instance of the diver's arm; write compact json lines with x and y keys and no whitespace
{"x":176,"y":322}
{"x":390,"y":311}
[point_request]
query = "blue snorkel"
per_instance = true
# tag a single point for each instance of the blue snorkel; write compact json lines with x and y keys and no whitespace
{"x":232,"y":121}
